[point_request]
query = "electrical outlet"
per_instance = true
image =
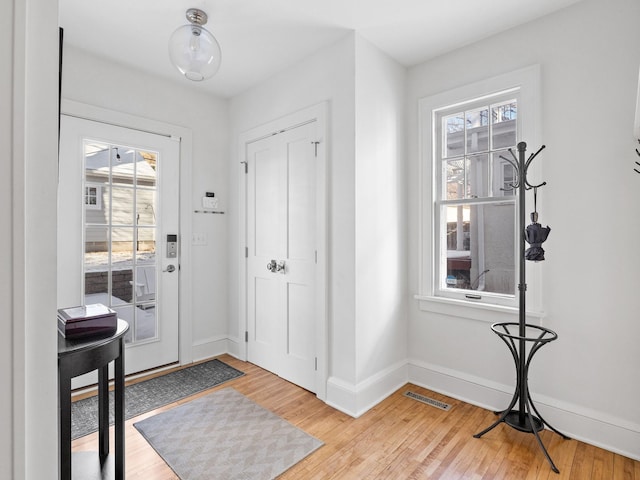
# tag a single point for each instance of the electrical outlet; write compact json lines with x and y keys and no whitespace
{"x":199,"y":239}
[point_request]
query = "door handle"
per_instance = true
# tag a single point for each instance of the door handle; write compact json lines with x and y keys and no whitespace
{"x":170,"y":268}
{"x":276,"y":267}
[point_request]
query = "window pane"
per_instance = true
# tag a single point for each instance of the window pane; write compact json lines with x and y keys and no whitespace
{"x":122,"y":284}
{"x":145,"y":287}
{"x":96,"y":248}
{"x":146,"y":245}
{"x":480,"y":248}
{"x":121,"y":247}
{"x":123,"y":162}
{"x":478,"y":175}
{"x":457,"y":184}
{"x":504,"y":175}
{"x":503,"y":129}
{"x":96,"y":162}
{"x":122,"y":207}
{"x":146,"y":169}
{"x":453,"y":135}
{"x":146,"y":325}
{"x":145,"y":204}
{"x":125,"y":312}
{"x":477,"y":130}
{"x":96,"y":284}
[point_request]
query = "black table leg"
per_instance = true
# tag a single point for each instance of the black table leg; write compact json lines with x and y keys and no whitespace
{"x":119,"y":412}
{"x":65,"y":425}
{"x":103,"y":412}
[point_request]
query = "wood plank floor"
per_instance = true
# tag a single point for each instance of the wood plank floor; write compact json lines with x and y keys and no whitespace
{"x":400,"y":438}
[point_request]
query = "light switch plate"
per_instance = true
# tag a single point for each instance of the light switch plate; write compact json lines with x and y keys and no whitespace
{"x":199,"y":239}
{"x":210,"y":202}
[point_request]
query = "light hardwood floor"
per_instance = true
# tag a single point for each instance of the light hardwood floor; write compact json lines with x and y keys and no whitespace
{"x":400,"y":438}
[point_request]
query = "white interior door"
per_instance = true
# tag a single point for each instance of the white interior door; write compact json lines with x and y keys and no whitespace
{"x":118,"y":204}
{"x":281,"y":259}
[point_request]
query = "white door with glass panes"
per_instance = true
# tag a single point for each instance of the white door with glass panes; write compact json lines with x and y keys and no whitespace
{"x":281,"y":257}
{"x":118,"y":201}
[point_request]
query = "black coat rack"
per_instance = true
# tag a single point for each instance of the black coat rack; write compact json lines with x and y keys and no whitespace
{"x":522,"y":339}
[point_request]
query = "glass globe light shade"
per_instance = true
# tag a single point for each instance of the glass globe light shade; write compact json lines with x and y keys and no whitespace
{"x":195,"y":52}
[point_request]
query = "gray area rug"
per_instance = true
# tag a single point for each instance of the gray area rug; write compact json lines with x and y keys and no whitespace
{"x":151,"y":394}
{"x":226,"y":436}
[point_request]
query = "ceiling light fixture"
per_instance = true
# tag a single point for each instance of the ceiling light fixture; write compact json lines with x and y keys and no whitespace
{"x":193,"y":50}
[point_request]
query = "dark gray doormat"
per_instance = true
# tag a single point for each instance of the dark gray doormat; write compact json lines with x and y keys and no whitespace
{"x":151,"y":394}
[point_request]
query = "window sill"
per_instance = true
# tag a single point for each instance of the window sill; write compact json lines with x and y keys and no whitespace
{"x":484,"y":312}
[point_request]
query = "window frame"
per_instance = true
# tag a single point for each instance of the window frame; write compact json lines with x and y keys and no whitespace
{"x":98,"y":196}
{"x":526,"y":82}
{"x":488,"y":197}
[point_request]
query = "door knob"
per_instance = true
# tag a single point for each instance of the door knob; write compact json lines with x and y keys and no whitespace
{"x":271,"y":266}
{"x":170,"y":268}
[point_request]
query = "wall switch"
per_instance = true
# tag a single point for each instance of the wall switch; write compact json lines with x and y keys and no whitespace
{"x":199,"y":239}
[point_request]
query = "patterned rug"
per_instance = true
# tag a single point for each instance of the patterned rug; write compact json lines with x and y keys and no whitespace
{"x":151,"y":394}
{"x":226,"y":436}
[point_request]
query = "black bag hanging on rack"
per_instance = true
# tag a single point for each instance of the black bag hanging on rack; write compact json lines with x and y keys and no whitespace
{"x":535,"y":234}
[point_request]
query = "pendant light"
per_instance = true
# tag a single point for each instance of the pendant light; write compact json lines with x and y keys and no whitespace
{"x":193,"y":50}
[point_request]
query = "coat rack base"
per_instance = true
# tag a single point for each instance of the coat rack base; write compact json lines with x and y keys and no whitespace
{"x":523,"y":418}
{"x":527,"y":425}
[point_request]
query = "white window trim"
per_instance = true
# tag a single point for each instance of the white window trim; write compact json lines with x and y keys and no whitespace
{"x":528,"y":81}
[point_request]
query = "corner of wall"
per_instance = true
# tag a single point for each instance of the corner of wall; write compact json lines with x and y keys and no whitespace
{"x":356,"y":399}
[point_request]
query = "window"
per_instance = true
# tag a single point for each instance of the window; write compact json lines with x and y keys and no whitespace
{"x":92,"y":197}
{"x":469,"y":239}
{"x":474,"y":202}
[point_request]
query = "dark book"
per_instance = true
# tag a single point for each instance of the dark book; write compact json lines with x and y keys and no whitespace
{"x":87,"y":320}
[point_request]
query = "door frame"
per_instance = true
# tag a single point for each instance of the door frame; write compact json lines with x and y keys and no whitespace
{"x":316,"y":113}
{"x":120,"y":119}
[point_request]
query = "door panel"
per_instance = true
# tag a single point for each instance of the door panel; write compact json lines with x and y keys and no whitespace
{"x":281,"y":223}
{"x":118,"y":200}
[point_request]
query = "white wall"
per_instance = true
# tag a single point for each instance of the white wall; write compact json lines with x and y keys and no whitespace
{"x":585,"y":382}
{"x":325,"y":76}
{"x":6,"y":243}
{"x":367,"y":266}
{"x":380,"y":251}
{"x":102,"y":83}
{"x":28,"y":133}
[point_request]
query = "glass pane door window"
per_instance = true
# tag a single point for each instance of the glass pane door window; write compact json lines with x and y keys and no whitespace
{"x":120,"y":232}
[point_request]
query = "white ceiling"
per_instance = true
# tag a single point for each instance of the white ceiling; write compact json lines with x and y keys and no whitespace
{"x":261,"y":37}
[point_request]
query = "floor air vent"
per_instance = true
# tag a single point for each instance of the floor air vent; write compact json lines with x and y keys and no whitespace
{"x":428,"y":401}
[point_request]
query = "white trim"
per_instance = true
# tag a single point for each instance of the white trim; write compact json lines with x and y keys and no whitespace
{"x":475,"y":310}
{"x":528,"y":81}
{"x":210,"y":347}
{"x":356,"y":400}
{"x":316,"y":113}
{"x":98,"y":114}
{"x":594,"y":427}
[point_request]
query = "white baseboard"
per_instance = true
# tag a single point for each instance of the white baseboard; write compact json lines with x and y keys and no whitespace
{"x":236,"y":348}
{"x":596,"y":428}
{"x":209,"y":347}
{"x":354,"y":400}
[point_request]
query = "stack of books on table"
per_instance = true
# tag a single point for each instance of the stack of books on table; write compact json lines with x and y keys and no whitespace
{"x":86,"y":321}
